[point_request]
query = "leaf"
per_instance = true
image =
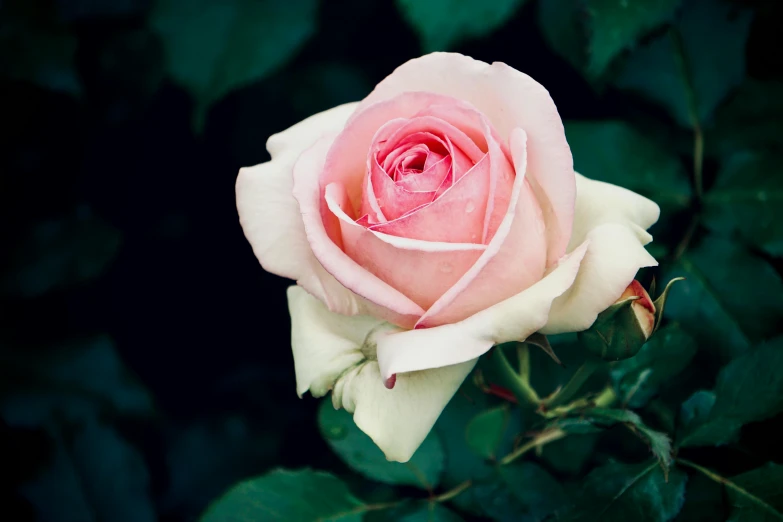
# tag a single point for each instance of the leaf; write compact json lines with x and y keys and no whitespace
{"x":748,"y":389}
{"x":216,"y":46}
{"x":75,"y":380}
{"x":60,"y":253}
{"x":757,"y":495}
{"x":639,"y":378}
{"x":440,"y":24}
{"x":659,"y":443}
{"x":561,"y":23}
{"x":730,"y":298}
{"x":485,"y":431}
{"x":696,"y":66}
{"x":633,"y":161}
{"x":519,"y":492}
{"x":615,"y":25}
{"x":571,"y":454}
{"x":282,"y":495}
{"x":95,"y":475}
{"x":361,"y":454}
{"x":747,"y":198}
{"x":623,"y":492}
{"x":35,"y":48}
{"x":704,"y":500}
{"x":751,"y":119}
{"x":462,"y":464}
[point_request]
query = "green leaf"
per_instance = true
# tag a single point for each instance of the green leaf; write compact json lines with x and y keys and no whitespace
{"x":751,"y":119}
{"x":704,"y":500}
{"x":216,"y":46}
{"x":461,"y":463}
{"x":659,"y":443}
{"x":362,"y":455}
{"x":95,"y":475}
{"x":633,"y":161}
{"x":519,"y":492}
{"x":624,"y":492}
{"x":748,"y":389}
{"x":691,"y":70}
{"x":730,"y":298}
{"x":757,"y":495}
{"x":615,"y":25}
{"x":61,"y":253}
{"x":35,"y":48}
{"x":747,"y":198}
{"x":441,"y":24}
{"x":571,"y":454}
{"x":485,"y":431}
{"x":74,"y":380}
{"x":283,"y":495}
{"x":639,"y":378}
{"x":561,"y":24}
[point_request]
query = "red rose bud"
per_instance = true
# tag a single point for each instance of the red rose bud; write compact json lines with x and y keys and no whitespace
{"x":620,"y":331}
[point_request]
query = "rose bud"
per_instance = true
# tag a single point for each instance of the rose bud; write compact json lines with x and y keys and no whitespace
{"x":620,"y":331}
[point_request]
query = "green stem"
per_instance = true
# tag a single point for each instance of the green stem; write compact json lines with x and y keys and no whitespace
{"x":573,"y":385}
{"x":443,"y":497}
{"x":519,"y":384}
{"x":542,"y":438}
{"x":731,"y":485}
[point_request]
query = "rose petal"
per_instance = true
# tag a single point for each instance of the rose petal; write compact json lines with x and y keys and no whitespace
{"x":270,"y":216}
{"x":513,"y":319}
{"x":387,"y":302}
{"x":510,"y":99}
{"x":329,"y":352}
{"x":598,"y":203}
{"x":518,"y":243}
{"x":612,"y":260}
{"x":455,"y":217}
{"x":421,"y":270}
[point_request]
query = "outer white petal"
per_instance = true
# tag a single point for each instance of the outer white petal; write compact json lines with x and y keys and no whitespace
{"x":615,"y":221}
{"x":598,"y":203}
{"x":333,"y":351}
{"x":270,"y":215}
{"x":513,"y":319}
{"x":614,"y":256}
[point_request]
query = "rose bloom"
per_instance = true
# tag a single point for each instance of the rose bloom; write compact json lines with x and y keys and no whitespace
{"x":435,"y":218}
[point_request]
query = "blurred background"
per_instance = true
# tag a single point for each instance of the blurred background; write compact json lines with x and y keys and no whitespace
{"x":145,"y":363}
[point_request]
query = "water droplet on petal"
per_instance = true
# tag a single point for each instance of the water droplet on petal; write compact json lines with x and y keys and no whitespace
{"x":445,"y":267}
{"x":470,"y":207}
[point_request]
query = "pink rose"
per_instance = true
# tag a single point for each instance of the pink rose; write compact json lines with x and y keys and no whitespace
{"x":437,"y":217}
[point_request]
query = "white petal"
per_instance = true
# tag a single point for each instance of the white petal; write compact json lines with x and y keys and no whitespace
{"x":330,"y":351}
{"x":598,"y":203}
{"x":513,"y":319}
{"x":270,"y":215}
{"x":399,"y":419}
{"x":325,"y":344}
{"x":614,"y":255}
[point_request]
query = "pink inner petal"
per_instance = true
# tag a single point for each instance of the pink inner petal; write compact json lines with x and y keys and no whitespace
{"x":457,"y":216}
{"x":421,"y":270}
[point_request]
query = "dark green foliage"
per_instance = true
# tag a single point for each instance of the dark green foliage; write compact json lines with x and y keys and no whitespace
{"x":621,"y":492}
{"x":730,"y":297}
{"x":279,"y":496}
{"x":639,"y":378}
{"x":748,"y":389}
